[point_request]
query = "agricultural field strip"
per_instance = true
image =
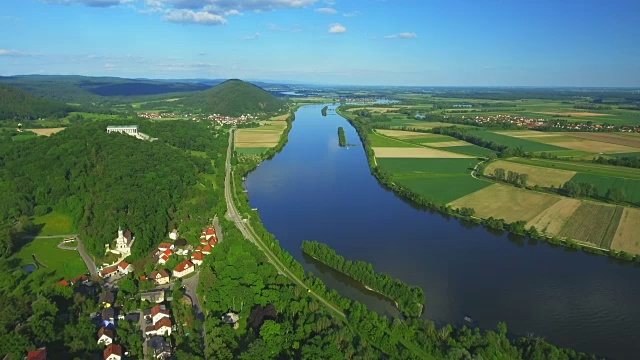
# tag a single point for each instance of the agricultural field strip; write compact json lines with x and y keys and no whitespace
{"x":554,"y":218}
{"x":506,"y":202}
{"x":46,"y":131}
{"x":538,"y":175}
{"x":582,"y":167}
{"x":631,"y":140}
{"x":586,"y":224}
{"x":626,"y":237}
{"x":434,"y":139}
{"x":417,"y":152}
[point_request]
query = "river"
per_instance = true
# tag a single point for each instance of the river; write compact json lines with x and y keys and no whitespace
{"x":316,"y":190}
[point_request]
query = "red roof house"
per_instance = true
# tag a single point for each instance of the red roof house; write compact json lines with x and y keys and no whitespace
{"x":184,"y":268}
{"x":40,"y":354}
{"x":113,"y":352}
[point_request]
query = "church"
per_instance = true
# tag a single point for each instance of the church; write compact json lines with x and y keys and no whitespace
{"x":124,"y":241}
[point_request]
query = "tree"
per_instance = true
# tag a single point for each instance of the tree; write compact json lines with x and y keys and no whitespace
{"x":499,"y":174}
{"x":616,"y":195}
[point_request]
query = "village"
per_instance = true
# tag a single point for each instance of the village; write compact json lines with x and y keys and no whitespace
{"x":532,"y":123}
{"x":219,"y":119}
{"x":150,"y":314}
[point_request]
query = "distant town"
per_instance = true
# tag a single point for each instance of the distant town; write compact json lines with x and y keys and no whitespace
{"x":533,"y":123}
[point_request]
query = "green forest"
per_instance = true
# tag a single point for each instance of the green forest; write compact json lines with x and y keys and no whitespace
{"x":103,"y":181}
{"x":409,"y":299}
{"x":19,"y":105}
{"x":234,"y":98}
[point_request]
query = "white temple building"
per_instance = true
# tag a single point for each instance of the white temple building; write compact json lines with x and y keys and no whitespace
{"x":124,"y":241}
{"x":129,"y":130}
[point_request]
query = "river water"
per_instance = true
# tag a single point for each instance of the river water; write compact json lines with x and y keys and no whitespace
{"x":316,"y":190}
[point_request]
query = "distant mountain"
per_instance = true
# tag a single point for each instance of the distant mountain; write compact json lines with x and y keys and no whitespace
{"x":85,"y":89}
{"x":18,"y":105}
{"x":234,"y":98}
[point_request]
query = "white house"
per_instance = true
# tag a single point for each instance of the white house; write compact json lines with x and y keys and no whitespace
{"x":160,"y":277}
{"x":105,"y":336}
{"x":183,"y":269}
{"x":124,"y":267}
{"x":197,"y":258}
{"x":162,"y":327}
{"x":173,"y":235}
{"x":113,"y":352}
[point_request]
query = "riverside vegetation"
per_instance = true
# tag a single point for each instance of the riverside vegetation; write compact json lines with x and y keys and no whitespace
{"x":342,"y":140}
{"x":408,"y":299}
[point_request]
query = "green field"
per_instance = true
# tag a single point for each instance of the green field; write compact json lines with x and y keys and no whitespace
{"x":24,"y":136}
{"x":631,"y":187}
{"x":57,"y":264}
{"x":526,"y":145}
{"x":444,"y":189}
{"x":54,"y":223}
{"x":384,"y":141}
{"x":251,"y":151}
{"x":470,"y":149}
{"x":440,"y":180}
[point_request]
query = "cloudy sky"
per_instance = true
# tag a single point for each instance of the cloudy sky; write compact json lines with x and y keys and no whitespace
{"x":368,"y":42}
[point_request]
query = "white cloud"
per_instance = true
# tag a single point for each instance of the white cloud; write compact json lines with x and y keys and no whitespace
{"x":190,"y":16}
{"x":352,"y":14}
{"x":205,"y":12}
{"x":11,"y":52}
{"x":275,"y":27}
{"x":337,"y":29}
{"x":92,"y":3}
{"x":328,"y":11}
{"x":404,"y":35}
{"x":251,"y":37}
{"x":109,"y":66}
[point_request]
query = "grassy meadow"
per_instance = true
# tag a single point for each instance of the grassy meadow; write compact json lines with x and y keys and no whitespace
{"x":54,"y":223}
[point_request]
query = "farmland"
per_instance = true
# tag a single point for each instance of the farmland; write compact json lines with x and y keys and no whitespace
{"x":593,"y":223}
{"x":626,"y":237}
{"x":506,"y":202}
{"x":631,"y":187}
{"x":265,"y":136}
{"x":582,"y":167}
{"x":440,"y":180}
{"x":415,"y":152}
{"x":46,"y":132}
{"x":516,"y":142}
{"x":541,"y":176}
{"x":384,"y":141}
{"x":553,"y":219}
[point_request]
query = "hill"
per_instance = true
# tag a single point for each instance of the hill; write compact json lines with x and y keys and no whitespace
{"x":234,"y":98}
{"x":18,"y":105}
{"x":85,"y":89}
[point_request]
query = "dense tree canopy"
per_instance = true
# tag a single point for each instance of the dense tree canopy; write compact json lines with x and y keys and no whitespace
{"x":105,"y":180}
{"x":19,"y":105}
{"x":234,"y":98}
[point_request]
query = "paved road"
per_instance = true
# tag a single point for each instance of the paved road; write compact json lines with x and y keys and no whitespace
{"x":86,"y":258}
{"x":250,"y":234}
{"x":80,"y":248}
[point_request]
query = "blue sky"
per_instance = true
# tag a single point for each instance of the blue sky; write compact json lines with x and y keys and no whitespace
{"x":360,"y":42}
